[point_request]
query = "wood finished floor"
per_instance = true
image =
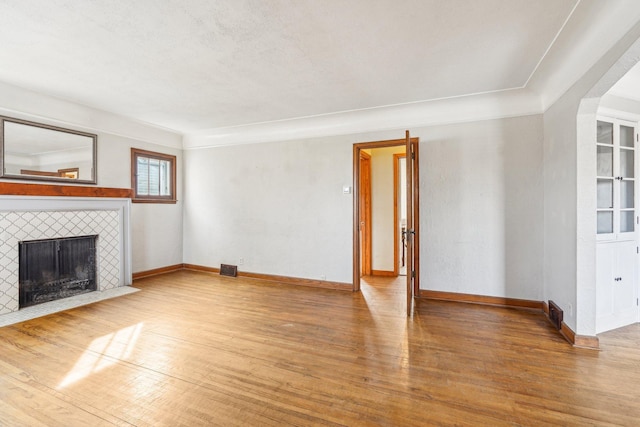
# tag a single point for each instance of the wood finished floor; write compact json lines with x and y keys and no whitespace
{"x":196,"y":349}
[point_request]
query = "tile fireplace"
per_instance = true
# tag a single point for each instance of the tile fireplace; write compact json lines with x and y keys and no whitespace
{"x":25,"y":218}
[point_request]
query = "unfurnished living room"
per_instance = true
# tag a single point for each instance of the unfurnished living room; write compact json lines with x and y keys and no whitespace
{"x":319,"y":212}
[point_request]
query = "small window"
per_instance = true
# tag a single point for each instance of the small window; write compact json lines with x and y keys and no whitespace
{"x":153,"y":177}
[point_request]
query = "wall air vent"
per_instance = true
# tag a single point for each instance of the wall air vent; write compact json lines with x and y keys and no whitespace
{"x":555,"y":314}
{"x":228,"y":270}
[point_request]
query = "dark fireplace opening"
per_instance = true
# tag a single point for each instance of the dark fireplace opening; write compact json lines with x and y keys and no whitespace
{"x":52,"y":269}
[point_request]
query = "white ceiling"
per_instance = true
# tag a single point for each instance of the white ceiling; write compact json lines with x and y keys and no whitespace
{"x":629,"y":85}
{"x":200,"y":64}
{"x":203,"y":67}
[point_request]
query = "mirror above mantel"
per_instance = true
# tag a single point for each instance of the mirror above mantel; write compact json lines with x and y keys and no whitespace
{"x":36,"y":151}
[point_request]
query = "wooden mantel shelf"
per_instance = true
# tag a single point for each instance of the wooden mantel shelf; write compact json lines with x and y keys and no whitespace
{"x":15,"y":189}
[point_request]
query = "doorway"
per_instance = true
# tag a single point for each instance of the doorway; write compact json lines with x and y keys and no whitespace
{"x":379,"y":217}
{"x":363,"y":235}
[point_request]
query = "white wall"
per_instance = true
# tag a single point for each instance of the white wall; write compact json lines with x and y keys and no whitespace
{"x":560,"y":215}
{"x":481,"y":207}
{"x":382,"y":225}
{"x":156,"y":228}
{"x":402,"y":212}
{"x":280,"y":206}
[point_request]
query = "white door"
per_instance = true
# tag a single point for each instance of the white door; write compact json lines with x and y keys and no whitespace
{"x":616,"y":285}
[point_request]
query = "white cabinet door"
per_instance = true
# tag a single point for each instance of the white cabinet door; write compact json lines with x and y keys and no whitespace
{"x":626,"y":288}
{"x":616,"y":285}
{"x":605,"y":274}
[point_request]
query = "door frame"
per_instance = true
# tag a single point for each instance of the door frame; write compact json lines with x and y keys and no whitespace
{"x":357,"y":147}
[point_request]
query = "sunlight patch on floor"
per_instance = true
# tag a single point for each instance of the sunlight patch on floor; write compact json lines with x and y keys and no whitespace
{"x":103,"y":352}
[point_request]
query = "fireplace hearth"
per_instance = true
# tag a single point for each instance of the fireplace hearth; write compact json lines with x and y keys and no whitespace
{"x":51,"y":269}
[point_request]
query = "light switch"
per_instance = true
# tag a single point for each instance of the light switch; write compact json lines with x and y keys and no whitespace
{"x":346,"y":189}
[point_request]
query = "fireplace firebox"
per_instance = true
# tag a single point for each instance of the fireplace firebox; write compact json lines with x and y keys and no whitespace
{"x":51,"y":269}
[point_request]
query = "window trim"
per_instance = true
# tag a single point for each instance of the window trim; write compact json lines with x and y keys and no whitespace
{"x":135,"y":153}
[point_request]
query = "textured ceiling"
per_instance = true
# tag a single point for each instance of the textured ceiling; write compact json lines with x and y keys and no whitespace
{"x":200,"y":64}
{"x":629,"y":85}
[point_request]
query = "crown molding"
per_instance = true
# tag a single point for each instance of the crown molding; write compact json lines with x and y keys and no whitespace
{"x":509,"y":103}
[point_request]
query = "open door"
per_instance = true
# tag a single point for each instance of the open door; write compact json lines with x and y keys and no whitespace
{"x":412,"y":222}
{"x":365,"y":213}
{"x":361,"y":255}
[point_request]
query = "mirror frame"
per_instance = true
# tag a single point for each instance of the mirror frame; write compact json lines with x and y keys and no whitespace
{"x":94,"y":148}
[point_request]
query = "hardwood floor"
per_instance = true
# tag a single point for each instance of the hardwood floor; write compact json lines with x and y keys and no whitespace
{"x":198,"y":349}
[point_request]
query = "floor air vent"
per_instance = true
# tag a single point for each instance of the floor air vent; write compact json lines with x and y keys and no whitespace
{"x":555,"y":314}
{"x":228,"y":270}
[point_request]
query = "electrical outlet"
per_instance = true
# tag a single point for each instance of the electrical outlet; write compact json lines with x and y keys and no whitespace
{"x":323,"y":277}
{"x":570,"y":309}
{"x":240,"y":261}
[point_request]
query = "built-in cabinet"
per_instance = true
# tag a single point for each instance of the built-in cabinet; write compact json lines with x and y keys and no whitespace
{"x":617,"y":222}
{"x":616,"y":285}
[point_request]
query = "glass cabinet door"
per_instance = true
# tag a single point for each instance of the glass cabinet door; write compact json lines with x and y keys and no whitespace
{"x":615,"y":177}
{"x":627,"y":179}
{"x":605,"y":178}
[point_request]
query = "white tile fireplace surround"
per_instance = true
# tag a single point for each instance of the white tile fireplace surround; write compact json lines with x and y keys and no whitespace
{"x":39,"y":217}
